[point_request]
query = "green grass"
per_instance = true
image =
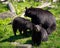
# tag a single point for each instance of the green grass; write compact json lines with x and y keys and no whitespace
{"x":7,"y":36}
{"x":20,"y":7}
{"x":3,"y":8}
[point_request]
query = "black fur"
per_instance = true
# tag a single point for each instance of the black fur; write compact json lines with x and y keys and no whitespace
{"x":43,"y":17}
{"x":39,"y":35}
{"x":22,"y":25}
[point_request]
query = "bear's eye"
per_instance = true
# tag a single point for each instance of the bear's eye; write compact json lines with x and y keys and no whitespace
{"x":29,"y":12}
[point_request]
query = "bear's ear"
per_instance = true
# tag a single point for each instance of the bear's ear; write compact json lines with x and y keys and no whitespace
{"x":31,"y":7}
{"x":25,"y":7}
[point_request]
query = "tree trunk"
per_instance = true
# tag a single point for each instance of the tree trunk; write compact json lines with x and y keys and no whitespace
{"x":10,"y":6}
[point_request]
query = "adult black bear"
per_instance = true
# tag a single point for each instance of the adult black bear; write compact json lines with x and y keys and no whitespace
{"x":43,"y":17}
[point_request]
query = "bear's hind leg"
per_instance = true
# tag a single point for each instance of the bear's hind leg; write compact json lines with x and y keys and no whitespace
{"x":20,"y":30}
{"x":51,"y":29}
{"x":14,"y":30}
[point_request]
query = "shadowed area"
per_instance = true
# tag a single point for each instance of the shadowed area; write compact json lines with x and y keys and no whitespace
{"x":28,"y":42}
{"x":13,"y":38}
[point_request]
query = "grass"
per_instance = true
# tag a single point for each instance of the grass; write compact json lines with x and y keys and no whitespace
{"x":7,"y":36}
{"x":3,"y":8}
{"x":20,"y":7}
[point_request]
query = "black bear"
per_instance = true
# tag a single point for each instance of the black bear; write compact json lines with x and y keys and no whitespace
{"x":22,"y":25}
{"x":43,"y":17}
{"x":39,"y":35}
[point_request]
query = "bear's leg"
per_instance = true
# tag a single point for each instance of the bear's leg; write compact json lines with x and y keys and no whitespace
{"x":14,"y":30}
{"x":36,"y":38}
{"x":33,"y":39}
{"x":20,"y":30}
{"x":25,"y":32}
{"x":44,"y":35}
{"x":51,"y":28}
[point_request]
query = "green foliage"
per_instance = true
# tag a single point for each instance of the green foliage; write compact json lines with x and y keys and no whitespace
{"x":3,"y":8}
{"x":4,"y":28}
{"x":6,"y":32}
{"x":56,"y":11}
{"x":6,"y":45}
{"x":20,"y":7}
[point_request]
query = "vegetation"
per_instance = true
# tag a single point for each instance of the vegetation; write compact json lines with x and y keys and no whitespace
{"x":7,"y":36}
{"x":3,"y":7}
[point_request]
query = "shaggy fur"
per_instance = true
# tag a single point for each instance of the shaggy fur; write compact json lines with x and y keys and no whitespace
{"x":43,"y":17}
{"x":39,"y":35}
{"x":22,"y":25}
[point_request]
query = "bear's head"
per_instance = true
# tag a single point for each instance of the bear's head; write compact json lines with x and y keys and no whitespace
{"x":29,"y":12}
